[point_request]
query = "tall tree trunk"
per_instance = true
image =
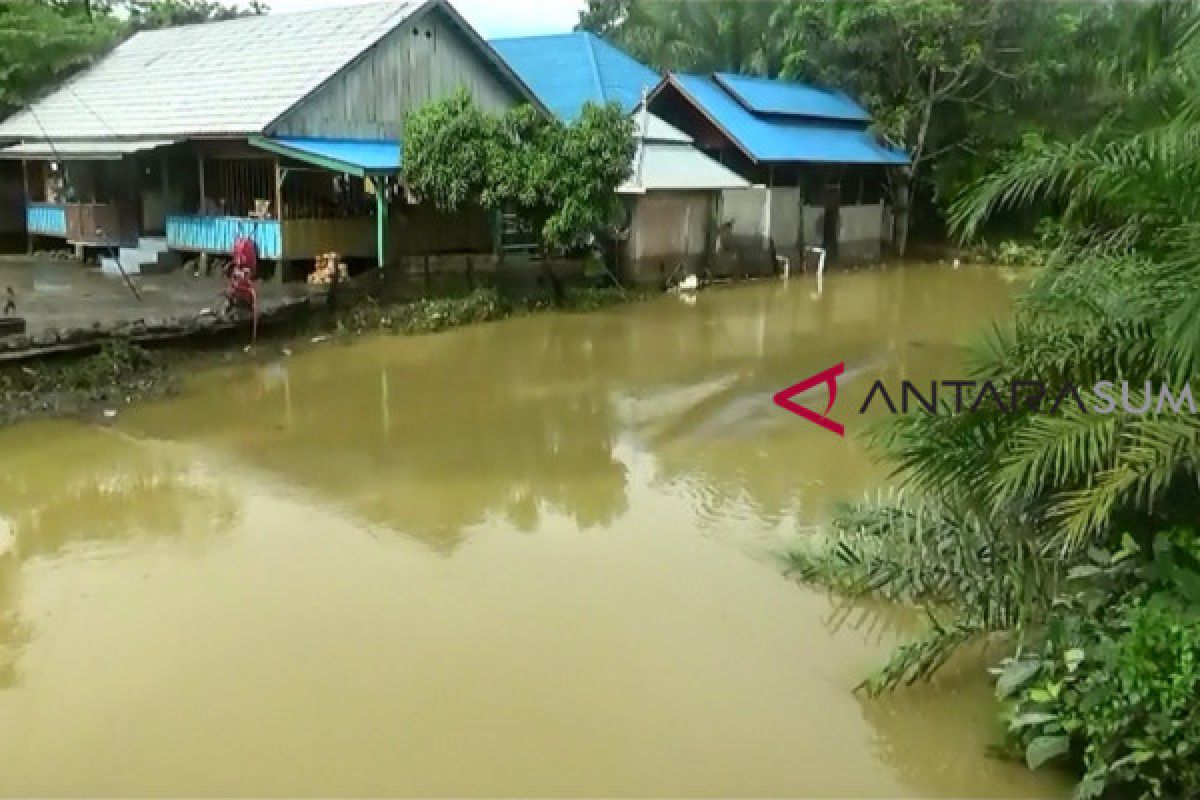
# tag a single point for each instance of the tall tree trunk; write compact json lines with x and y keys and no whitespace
{"x":902,"y":197}
{"x":908,"y":189}
{"x":556,"y":284}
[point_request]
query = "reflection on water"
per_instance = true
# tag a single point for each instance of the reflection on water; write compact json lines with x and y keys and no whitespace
{"x":511,"y":559}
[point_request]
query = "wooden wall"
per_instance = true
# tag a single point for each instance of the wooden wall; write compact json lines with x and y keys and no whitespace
{"x":426,"y":58}
{"x":351,"y":237}
{"x":423,"y":229}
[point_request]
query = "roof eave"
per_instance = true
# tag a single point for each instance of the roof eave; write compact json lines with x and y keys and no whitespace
{"x":670,"y":78}
{"x":327,"y":162}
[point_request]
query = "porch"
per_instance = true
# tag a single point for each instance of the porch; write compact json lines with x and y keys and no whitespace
{"x":295,"y":198}
{"x":90,"y":224}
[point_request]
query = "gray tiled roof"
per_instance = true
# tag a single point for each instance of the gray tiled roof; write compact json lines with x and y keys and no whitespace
{"x":232,"y":77}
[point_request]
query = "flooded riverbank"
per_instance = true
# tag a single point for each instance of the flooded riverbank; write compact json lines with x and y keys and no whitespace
{"x":527,"y":557}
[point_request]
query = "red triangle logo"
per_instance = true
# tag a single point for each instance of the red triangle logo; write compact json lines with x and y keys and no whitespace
{"x":827,"y":378}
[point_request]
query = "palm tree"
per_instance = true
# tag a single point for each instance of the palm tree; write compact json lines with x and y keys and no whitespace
{"x":705,"y":35}
{"x":997,"y":506}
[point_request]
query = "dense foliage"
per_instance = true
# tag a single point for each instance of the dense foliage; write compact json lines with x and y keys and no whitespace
{"x":562,"y":178}
{"x":1116,"y":676}
{"x":43,"y":41}
{"x":958,"y":83}
{"x":1068,"y":536}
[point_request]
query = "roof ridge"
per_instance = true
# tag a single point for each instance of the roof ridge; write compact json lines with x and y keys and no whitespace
{"x":529,"y":36}
{"x":150,"y":32}
{"x":595,"y":63}
{"x":60,"y":112}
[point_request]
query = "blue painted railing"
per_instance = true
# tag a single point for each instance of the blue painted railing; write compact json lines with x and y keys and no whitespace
{"x":216,"y":234}
{"x":46,"y":219}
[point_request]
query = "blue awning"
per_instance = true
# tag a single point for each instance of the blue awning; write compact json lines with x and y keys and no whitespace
{"x":774,"y":139}
{"x":354,"y":156}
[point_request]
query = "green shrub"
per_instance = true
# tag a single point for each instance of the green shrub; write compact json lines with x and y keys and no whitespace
{"x":120,"y":372}
{"x":427,"y":315}
{"x":1011,"y":253}
{"x":1115,"y":687}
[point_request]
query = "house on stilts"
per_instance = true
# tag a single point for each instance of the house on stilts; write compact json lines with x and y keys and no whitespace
{"x":284,"y":128}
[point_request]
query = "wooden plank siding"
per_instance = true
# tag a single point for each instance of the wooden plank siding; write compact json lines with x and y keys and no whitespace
{"x":102,"y":224}
{"x":425,"y":230}
{"x":426,"y":58}
{"x":350,"y":237}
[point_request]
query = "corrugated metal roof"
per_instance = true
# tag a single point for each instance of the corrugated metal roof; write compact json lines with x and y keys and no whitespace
{"x":777,"y":139}
{"x":362,"y":155}
{"x":568,"y":70}
{"x":662,"y":166}
{"x":231,"y":77}
{"x":86,"y":150}
{"x":766,"y":96}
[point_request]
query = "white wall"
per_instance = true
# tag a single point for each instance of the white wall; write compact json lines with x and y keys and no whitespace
{"x":784,"y":226}
{"x":741,"y":212}
{"x":855,"y":223}
{"x":861,"y":223}
{"x":758,"y":213}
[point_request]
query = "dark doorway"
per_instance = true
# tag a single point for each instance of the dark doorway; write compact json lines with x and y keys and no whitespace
{"x":833,"y":205}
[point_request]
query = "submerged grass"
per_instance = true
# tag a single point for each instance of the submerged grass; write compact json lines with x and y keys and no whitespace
{"x":430,"y":315}
{"x":121,"y":373}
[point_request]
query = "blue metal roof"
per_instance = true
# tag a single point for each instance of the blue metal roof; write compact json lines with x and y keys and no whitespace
{"x":766,"y":96}
{"x":768,"y":138}
{"x":367,"y":155}
{"x":568,"y":70}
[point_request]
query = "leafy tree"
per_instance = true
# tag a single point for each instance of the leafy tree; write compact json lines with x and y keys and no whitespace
{"x":41,"y":43}
{"x":603,"y":17}
{"x":696,"y":35}
{"x":150,"y":14}
{"x":561,"y":178}
{"x":936,"y":74}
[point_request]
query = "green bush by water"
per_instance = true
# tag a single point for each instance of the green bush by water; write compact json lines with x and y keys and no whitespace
{"x":118,"y":374}
{"x":1112,"y":683}
{"x":1001,"y":533}
{"x":430,"y":315}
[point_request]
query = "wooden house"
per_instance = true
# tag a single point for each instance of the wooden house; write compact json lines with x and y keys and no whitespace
{"x":819,"y":171}
{"x":282,"y":127}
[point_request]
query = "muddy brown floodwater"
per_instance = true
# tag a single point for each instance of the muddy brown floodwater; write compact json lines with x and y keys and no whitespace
{"x":525,"y":558}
